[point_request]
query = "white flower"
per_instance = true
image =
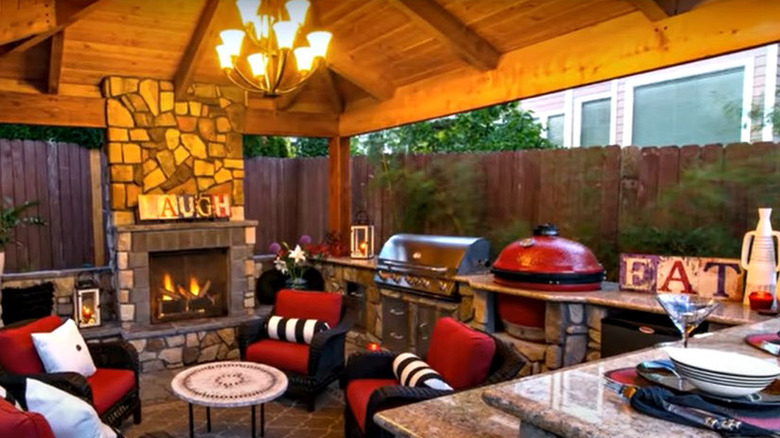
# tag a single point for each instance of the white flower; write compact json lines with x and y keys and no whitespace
{"x":298,"y":255}
{"x":281,"y":265}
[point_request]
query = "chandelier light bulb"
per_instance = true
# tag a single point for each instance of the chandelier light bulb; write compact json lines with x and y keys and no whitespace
{"x":248,"y":9}
{"x":304,"y":57}
{"x":297,"y":10}
{"x":232,"y":39}
{"x":319,"y":42}
{"x":285,"y":34}
{"x":257,"y":64}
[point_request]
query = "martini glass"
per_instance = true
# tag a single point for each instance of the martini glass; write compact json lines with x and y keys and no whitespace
{"x":686,"y":311}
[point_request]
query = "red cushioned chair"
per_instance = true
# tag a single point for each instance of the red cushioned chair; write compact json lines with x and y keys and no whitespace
{"x":309,"y":368}
{"x":466,"y":358}
{"x":112,"y":390}
{"x":16,"y":423}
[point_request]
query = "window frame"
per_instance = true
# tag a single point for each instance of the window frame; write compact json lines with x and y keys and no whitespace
{"x":581,"y":100}
{"x":545,"y":119}
{"x":687,"y":71}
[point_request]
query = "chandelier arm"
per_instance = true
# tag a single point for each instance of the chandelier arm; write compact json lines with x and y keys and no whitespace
{"x":297,"y":83}
{"x":280,"y":70}
{"x":241,"y":80}
{"x":248,"y":81}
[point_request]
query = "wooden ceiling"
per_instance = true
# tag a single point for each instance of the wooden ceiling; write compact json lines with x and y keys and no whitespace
{"x":391,"y":61}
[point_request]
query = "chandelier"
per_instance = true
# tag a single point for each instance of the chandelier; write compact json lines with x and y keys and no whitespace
{"x":270,"y":55}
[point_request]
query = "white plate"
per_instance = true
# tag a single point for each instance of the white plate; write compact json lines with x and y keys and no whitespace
{"x":682,"y":369}
{"x":723,"y":362}
{"x":723,"y":390}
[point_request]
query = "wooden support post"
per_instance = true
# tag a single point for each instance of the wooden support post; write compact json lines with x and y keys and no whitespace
{"x":96,"y":188}
{"x":339,"y":189}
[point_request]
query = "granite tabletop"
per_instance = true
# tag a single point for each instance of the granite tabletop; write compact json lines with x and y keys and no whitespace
{"x":729,"y":312}
{"x":229,"y":384}
{"x":573,"y":402}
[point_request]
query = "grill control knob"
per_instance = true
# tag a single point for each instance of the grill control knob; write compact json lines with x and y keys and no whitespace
{"x":426,"y":283}
{"x":384,"y":275}
{"x":443,"y":286}
{"x":396,"y":278}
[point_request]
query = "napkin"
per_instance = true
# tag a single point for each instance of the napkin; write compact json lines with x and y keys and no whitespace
{"x":758,"y":421}
{"x":768,"y":342}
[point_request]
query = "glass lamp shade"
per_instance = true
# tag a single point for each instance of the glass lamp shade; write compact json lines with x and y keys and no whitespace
{"x":248,"y":9}
{"x":319,"y":42}
{"x":232,"y":39}
{"x":257,"y":64}
{"x":225,"y":57}
{"x":362,"y":241}
{"x":304,"y":57}
{"x":297,"y":10}
{"x":87,"y":307}
{"x":285,"y":34}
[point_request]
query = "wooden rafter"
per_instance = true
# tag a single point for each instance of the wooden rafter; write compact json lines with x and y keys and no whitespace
{"x":461,"y":40}
{"x":285,"y":123}
{"x":656,"y":10}
{"x":20,"y":19}
{"x":350,"y":69}
{"x":55,"y":62}
{"x":68,"y":12}
{"x":195,"y":49}
{"x":333,"y":92}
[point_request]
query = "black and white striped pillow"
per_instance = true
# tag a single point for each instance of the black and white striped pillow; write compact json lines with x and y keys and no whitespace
{"x":410,"y":370}
{"x":294,"y":329}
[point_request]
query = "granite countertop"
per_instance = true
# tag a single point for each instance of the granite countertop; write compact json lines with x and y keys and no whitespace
{"x":462,"y":415}
{"x":355,"y":263}
{"x":729,"y":312}
{"x":573,"y":402}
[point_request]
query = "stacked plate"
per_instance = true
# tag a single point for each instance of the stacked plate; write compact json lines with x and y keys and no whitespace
{"x":723,"y":373}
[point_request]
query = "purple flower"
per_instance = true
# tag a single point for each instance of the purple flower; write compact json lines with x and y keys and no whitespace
{"x":305,"y":239}
{"x":275,"y":248}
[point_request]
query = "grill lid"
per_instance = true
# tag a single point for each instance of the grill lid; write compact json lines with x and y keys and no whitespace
{"x":442,"y":255}
{"x":548,"y":262}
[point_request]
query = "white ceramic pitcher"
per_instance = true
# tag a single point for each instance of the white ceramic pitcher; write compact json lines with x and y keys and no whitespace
{"x":763,"y":265}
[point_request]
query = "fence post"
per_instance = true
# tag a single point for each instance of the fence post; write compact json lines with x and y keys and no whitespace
{"x":339,"y":188}
{"x":96,"y":190}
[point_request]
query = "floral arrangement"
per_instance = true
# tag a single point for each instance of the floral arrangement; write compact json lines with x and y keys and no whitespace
{"x":294,"y":262}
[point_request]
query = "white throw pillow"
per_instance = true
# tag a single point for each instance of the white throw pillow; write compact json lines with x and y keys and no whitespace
{"x":64,"y":350}
{"x":68,"y":415}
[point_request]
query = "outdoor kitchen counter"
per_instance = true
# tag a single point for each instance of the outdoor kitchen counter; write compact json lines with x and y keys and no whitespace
{"x":355,"y":263}
{"x":572,"y":402}
{"x":728,"y":313}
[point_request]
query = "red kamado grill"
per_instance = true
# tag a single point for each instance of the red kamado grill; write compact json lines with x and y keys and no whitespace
{"x":543,"y":262}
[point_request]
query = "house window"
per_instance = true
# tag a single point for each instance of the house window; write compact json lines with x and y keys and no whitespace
{"x":594,"y":123}
{"x":555,"y":129}
{"x":698,"y":109}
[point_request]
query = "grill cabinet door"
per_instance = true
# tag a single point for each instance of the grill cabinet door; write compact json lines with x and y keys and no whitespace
{"x":394,"y":324}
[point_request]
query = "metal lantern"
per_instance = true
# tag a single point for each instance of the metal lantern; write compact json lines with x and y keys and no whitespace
{"x":362,"y":237}
{"x":86,"y":300}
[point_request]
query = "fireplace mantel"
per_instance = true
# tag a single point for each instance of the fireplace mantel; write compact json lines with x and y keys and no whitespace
{"x":184,"y":225}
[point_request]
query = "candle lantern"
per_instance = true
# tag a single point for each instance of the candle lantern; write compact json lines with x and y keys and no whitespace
{"x":362,"y":237}
{"x":86,"y":300}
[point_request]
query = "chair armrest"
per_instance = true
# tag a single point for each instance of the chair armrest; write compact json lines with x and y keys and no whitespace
{"x":388,"y":397}
{"x":507,"y":363}
{"x":72,"y":383}
{"x":369,"y":365}
{"x":115,"y":354}
{"x":326,"y":351}
{"x":251,"y":332}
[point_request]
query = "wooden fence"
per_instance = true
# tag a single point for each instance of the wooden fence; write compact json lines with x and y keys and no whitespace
{"x":57,"y":175}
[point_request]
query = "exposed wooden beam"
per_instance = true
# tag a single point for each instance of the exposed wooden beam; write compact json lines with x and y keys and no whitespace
{"x":68,"y":12}
{"x":445,"y":27}
{"x":333,"y":91}
{"x":20,"y":19}
{"x":655,"y":10}
{"x":195,"y":49}
{"x":42,"y":109}
{"x":55,"y":62}
{"x":285,"y":101}
{"x":263,"y":122}
{"x":350,"y":69}
{"x":619,"y":47}
{"x":339,"y":188}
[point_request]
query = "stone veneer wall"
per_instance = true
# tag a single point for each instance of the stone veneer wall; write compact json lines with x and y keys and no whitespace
{"x":157,"y":144}
{"x":177,"y":350}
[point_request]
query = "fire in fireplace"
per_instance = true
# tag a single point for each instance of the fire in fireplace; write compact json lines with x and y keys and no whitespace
{"x":188,"y":284}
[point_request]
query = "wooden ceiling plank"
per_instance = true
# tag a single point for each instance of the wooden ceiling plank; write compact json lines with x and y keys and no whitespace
{"x":46,"y":109}
{"x":285,"y":123}
{"x":333,"y":92}
{"x":350,"y":69}
{"x":64,"y":19}
{"x":623,"y":46}
{"x":56,"y":52}
{"x":21,"y":19}
{"x":285,"y":101}
{"x":461,"y":40}
{"x":195,"y":49}
{"x":655,"y":10}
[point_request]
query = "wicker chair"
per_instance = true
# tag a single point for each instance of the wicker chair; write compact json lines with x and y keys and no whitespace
{"x":375,"y":370}
{"x":309,"y":368}
{"x":112,"y":390}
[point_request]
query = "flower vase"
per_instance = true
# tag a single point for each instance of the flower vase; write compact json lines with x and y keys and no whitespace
{"x":760,"y":258}
{"x":296,"y":283}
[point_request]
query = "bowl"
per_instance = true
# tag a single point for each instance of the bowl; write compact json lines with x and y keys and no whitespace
{"x":722,"y":389}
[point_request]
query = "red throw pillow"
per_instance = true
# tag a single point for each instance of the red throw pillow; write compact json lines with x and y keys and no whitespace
{"x":17,"y":352}
{"x":309,"y":305}
{"x":460,"y":354}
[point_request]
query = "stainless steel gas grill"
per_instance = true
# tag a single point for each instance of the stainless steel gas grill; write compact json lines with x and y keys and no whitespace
{"x":415,"y":275}
{"x":427,"y":265}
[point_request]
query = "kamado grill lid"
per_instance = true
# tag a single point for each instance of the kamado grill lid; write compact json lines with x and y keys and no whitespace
{"x":548,"y":262}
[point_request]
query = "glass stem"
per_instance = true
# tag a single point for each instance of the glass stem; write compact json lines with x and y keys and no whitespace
{"x":685,"y":339}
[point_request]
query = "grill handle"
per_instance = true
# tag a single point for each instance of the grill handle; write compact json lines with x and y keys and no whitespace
{"x":407,"y":267}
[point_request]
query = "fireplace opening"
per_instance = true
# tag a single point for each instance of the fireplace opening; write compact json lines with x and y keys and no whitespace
{"x":188,"y":284}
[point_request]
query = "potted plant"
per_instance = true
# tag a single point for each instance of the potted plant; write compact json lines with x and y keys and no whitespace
{"x":11,"y":217}
{"x":294,"y":262}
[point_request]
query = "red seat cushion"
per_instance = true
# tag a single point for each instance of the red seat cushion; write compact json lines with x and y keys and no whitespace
{"x":287,"y":356}
{"x":16,"y":423}
{"x":359,"y":391}
{"x":459,"y":353}
{"x":17,"y":352}
{"x":309,"y":305}
{"x":108,"y":386}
